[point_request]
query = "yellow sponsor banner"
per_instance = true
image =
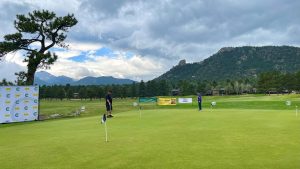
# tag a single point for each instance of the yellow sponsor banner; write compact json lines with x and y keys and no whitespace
{"x":166,"y":101}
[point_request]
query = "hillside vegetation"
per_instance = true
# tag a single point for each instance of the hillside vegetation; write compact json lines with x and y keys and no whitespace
{"x":238,"y":63}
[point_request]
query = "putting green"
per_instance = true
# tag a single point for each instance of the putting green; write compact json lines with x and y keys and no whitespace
{"x":162,"y":138}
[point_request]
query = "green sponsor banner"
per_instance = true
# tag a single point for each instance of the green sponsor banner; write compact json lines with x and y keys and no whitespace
{"x":147,"y":99}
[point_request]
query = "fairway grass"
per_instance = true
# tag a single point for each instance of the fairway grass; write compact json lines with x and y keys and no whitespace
{"x":161,"y":139}
{"x":67,"y":108}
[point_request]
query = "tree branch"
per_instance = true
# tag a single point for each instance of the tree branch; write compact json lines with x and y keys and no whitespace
{"x":54,"y":35}
{"x":31,"y":50}
{"x":42,"y":34}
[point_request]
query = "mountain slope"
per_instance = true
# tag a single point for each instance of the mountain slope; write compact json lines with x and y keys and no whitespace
{"x":45,"y":78}
{"x":104,"y":80}
{"x":238,"y":62}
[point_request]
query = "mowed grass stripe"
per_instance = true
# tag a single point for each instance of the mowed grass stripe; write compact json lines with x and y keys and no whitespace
{"x":94,"y":107}
{"x":169,"y":138}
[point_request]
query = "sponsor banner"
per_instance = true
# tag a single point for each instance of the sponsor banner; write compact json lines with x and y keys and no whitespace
{"x":147,"y":99}
{"x":166,"y":101}
{"x":18,"y":103}
{"x":185,"y":100}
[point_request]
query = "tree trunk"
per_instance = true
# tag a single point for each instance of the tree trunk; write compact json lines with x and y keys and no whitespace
{"x":31,"y":71}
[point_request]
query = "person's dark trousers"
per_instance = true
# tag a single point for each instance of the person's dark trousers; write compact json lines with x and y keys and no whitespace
{"x":200,"y":105}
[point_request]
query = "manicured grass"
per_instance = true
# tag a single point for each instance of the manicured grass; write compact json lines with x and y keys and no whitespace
{"x":273,"y":102}
{"x":172,"y":137}
{"x":94,"y":107}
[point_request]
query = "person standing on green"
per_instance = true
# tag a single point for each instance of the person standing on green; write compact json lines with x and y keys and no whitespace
{"x":108,"y":104}
{"x":200,"y":101}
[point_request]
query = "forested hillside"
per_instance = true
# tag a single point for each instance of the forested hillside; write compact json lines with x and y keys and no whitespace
{"x":238,"y":63}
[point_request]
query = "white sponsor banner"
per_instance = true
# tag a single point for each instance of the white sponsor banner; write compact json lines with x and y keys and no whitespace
{"x":18,"y":103}
{"x":185,"y":100}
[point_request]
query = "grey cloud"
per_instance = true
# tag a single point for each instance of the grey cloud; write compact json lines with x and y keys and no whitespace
{"x":153,"y":26}
{"x":213,"y":21}
{"x":105,"y":8}
{"x":8,"y":12}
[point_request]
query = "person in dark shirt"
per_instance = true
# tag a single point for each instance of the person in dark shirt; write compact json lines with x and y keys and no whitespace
{"x":108,"y":104}
{"x":200,"y":101}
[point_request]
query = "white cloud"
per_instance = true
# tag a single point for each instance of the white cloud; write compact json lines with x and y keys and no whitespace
{"x":67,"y":53}
{"x":136,"y":67}
{"x":16,"y":57}
{"x":87,"y":46}
{"x":8,"y":70}
{"x":11,"y":64}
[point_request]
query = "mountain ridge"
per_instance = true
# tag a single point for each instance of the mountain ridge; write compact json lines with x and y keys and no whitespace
{"x":237,"y":63}
{"x":45,"y":78}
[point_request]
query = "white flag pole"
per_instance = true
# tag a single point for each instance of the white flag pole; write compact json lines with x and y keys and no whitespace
{"x":105,"y":132}
{"x":140,"y":112}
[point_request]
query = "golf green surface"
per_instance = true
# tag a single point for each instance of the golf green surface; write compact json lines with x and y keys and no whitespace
{"x":260,"y":137}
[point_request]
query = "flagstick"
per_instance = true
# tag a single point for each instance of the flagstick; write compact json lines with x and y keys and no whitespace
{"x":140,"y":112}
{"x":105,"y":132}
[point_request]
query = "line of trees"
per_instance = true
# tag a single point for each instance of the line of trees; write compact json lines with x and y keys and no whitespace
{"x":268,"y":82}
{"x":146,"y":89}
{"x":278,"y":82}
{"x":142,"y":89}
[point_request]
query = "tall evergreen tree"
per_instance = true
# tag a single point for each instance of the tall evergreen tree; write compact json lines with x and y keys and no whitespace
{"x":133,"y":90}
{"x":39,"y":27}
{"x":142,"y":89}
{"x":163,"y":88}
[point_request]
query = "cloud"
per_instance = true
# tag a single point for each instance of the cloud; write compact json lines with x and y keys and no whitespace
{"x":135,"y":67}
{"x":162,"y":31}
{"x":12,"y":63}
{"x":8,"y":11}
{"x":8,"y":70}
{"x":76,"y":48}
{"x":169,"y":28}
{"x":84,"y":46}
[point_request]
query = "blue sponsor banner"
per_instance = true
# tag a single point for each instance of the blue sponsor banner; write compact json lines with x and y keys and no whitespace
{"x":19,"y":103}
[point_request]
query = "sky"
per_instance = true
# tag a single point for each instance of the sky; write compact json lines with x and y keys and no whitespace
{"x":141,"y":40}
